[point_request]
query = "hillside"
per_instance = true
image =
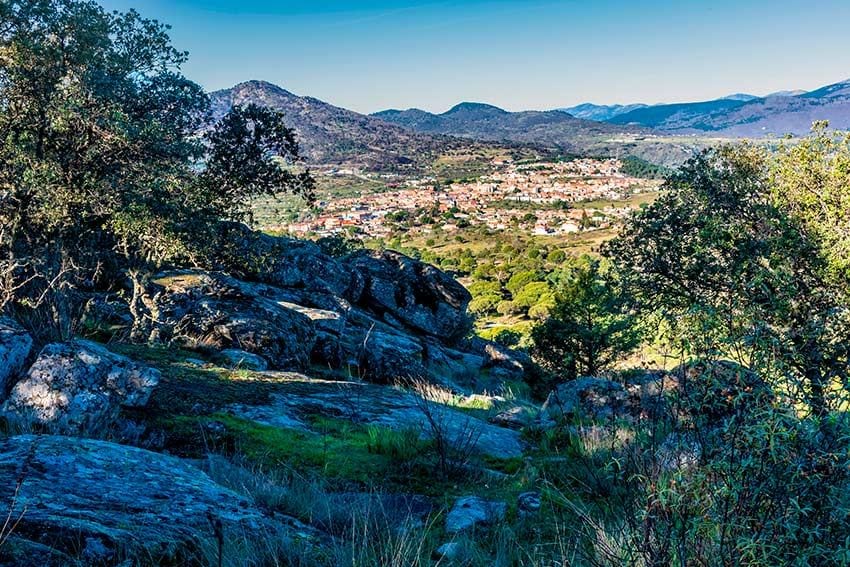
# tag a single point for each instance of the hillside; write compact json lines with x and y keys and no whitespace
{"x":602,"y":112}
{"x":788,"y":112}
{"x":330,"y":135}
{"x":487,"y":122}
{"x":552,"y":128}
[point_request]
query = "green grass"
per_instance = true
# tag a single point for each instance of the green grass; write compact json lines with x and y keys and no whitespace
{"x":339,"y":450}
{"x":184,"y":387}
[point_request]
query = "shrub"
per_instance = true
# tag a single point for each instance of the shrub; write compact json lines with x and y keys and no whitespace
{"x":590,"y":325}
{"x":519,"y":280}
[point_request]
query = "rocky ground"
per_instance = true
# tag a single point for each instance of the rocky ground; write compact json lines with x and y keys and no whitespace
{"x":266,"y":416}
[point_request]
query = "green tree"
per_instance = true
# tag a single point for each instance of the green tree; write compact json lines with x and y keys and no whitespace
{"x":734,"y":275}
{"x":102,"y":169}
{"x":590,"y":326}
{"x":531,"y":294}
{"x":484,"y":288}
{"x":519,"y":280}
{"x":556,"y":256}
{"x":485,"y":304}
{"x":811,"y":180}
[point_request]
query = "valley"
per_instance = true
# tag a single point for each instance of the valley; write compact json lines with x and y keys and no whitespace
{"x":537,"y":197}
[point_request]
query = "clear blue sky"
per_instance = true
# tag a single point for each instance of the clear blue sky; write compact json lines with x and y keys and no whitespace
{"x":377,"y":54}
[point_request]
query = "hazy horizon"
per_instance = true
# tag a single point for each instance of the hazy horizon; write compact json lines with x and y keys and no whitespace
{"x":378,"y":54}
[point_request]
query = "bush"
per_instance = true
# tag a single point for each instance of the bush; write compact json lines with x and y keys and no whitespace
{"x":761,"y":486}
{"x":519,"y":280}
{"x":508,"y":308}
{"x":484,"y":288}
{"x":556,"y":256}
{"x":531,"y":294}
{"x":507,"y":337}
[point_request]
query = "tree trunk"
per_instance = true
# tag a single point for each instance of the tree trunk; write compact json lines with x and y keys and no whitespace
{"x":142,"y":307}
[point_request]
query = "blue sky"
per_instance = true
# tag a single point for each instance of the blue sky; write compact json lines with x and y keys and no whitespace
{"x":376,"y":54}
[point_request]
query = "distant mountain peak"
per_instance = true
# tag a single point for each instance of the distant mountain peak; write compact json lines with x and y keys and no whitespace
{"x":794,"y":92}
{"x":330,"y":135}
{"x":478,"y":107}
{"x":743,"y":97}
{"x":260,"y":85}
{"x":601,"y":112}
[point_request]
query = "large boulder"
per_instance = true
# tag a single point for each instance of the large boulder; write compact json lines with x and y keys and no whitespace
{"x":503,"y":362}
{"x":589,"y":398}
{"x":390,"y":357}
{"x":407,"y":292}
{"x":92,"y":502}
{"x":712,"y":392}
{"x":239,"y":359}
{"x":74,"y":387}
{"x":196,"y":308}
{"x":302,"y":264}
{"x":15,"y":346}
{"x":281,"y":261}
{"x":644,"y":396}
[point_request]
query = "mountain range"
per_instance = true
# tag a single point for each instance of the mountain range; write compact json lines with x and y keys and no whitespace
{"x":553,"y":130}
{"x":662,"y":133}
{"x":330,"y":135}
{"x":486,"y":122}
{"x":735,"y":116}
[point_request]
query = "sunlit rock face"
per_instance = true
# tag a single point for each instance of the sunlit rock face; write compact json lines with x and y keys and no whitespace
{"x":410,"y":292}
{"x":195,"y":308}
{"x":73,"y":387}
{"x":15,"y":346}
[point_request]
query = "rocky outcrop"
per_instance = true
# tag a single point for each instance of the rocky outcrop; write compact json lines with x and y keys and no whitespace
{"x":502,"y":362}
{"x":404,"y":291}
{"x":712,"y":392}
{"x":290,"y":327}
{"x":240,"y":359}
{"x":300,"y":397}
{"x":517,"y":417}
{"x":74,"y":387}
{"x":600,"y":399}
{"x":196,"y":308}
{"x":472,"y":511}
{"x":96,"y":503}
{"x":588,"y":397}
{"x":284,"y":262}
{"x":697,"y":395}
{"x":380,"y":316}
{"x":679,"y":451}
{"x":15,"y":346}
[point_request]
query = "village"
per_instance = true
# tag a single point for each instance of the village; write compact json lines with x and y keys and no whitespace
{"x":542,"y":198}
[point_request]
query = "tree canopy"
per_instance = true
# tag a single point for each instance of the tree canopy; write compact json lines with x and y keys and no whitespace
{"x":591,"y":325}
{"x":108,"y":155}
{"x":736,"y":273}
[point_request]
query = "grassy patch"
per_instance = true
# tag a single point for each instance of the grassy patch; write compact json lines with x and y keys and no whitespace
{"x":186,"y":388}
{"x":340,"y":451}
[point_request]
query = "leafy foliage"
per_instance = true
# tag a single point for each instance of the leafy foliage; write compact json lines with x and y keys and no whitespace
{"x":590,"y":326}
{"x":101,"y":165}
{"x":810,"y":180}
{"x":735,"y":275}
